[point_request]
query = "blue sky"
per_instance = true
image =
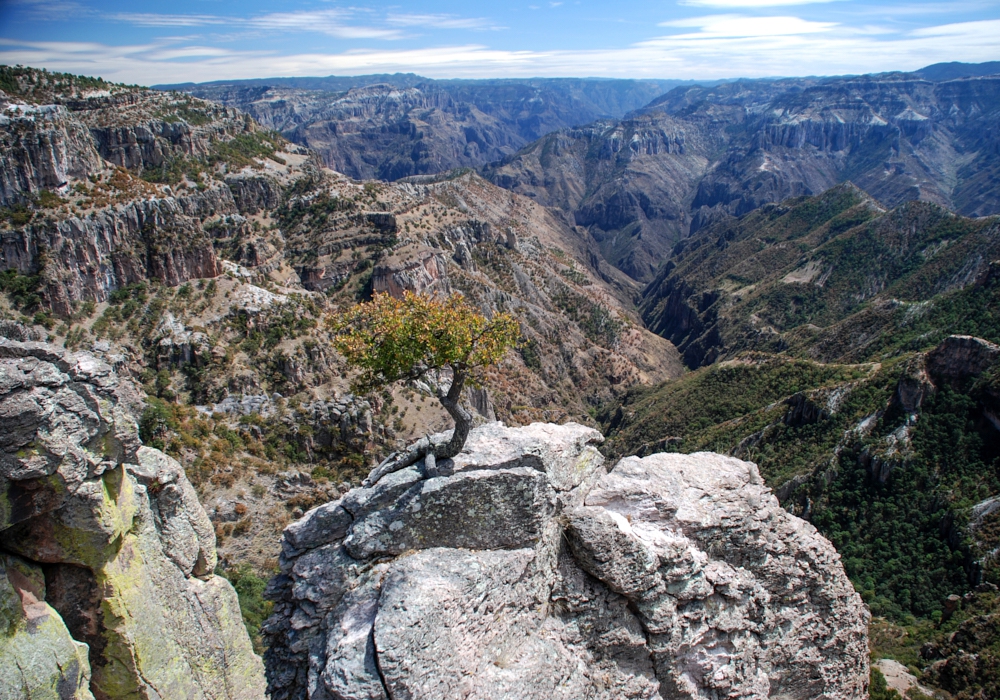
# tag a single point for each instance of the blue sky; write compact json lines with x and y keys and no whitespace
{"x":180,"y":40}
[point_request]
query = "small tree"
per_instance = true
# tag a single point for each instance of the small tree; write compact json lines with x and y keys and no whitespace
{"x":393,"y":340}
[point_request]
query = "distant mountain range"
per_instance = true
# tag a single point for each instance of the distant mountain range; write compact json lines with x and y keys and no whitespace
{"x":655,"y":160}
{"x":393,"y":126}
{"x":642,"y":183}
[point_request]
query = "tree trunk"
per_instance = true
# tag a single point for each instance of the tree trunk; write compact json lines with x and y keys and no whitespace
{"x":452,"y":402}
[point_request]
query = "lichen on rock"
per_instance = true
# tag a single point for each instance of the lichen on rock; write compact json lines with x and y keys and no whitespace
{"x":106,"y":584}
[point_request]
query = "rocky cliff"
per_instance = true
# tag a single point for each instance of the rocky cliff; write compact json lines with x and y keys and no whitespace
{"x":523,"y":569}
{"x":394,"y":126}
{"x":105,"y":188}
{"x":641,"y":183}
{"x":107,"y":587}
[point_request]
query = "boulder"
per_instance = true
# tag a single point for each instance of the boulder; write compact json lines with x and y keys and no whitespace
{"x":106,"y":556}
{"x":522,"y":568}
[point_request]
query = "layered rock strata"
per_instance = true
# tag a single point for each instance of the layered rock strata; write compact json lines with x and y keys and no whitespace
{"x":523,"y":569}
{"x":106,"y":586}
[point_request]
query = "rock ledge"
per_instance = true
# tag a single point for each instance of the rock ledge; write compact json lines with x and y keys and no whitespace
{"x":522,"y":569}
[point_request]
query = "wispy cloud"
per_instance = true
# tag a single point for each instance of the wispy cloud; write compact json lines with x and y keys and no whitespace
{"x":49,"y":10}
{"x":148,"y":19}
{"x":442,"y":22}
{"x":736,"y":26}
{"x":747,"y":4}
{"x":335,"y":23}
{"x":702,"y":47}
{"x":330,"y":22}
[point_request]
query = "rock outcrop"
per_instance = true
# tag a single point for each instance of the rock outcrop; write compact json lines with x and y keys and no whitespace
{"x":40,"y":148}
{"x":106,"y":586}
{"x":523,"y":569}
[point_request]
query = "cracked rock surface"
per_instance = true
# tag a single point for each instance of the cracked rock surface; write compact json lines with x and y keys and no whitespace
{"x":523,"y":569}
{"x":106,"y":557}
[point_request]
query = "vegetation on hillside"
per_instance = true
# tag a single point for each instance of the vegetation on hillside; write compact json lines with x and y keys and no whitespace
{"x":40,"y":85}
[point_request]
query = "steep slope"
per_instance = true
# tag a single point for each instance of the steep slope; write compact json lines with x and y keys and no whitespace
{"x":644,"y":182}
{"x":204,"y":266}
{"x":390,"y":127}
{"x":826,"y":277}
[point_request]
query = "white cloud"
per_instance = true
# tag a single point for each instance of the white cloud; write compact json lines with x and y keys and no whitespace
{"x":442,"y":22}
{"x":744,"y":4}
{"x":715,"y":50}
{"x":981,"y":30}
{"x":736,"y":26}
{"x":147,"y":19}
{"x":330,"y":22}
{"x":49,"y":10}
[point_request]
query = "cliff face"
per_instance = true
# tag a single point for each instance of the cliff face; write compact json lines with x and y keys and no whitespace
{"x":394,"y":127}
{"x":643,"y":182}
{"x":522,"y":569}
{"x":112,"y":187}
{"x":41,"y":147}
{"x":107,"y":587}
{"x":88,"y":257}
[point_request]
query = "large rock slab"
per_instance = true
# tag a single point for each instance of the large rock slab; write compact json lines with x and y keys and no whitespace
{"x":128,"y":606}
{"x":483,"y":509}
{"x":522,"y":569}
{"x":741,"y":598}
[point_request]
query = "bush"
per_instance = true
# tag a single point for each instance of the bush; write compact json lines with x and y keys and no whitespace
{"x":250,"y":591}
{"x":23,"y":290}
{"x":156,"y":421}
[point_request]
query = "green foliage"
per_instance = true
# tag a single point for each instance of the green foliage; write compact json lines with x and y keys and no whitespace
{"x":903,"y":542}
{"x":40,"y":85}
{"x":250,"y":590}
{"x":242,"y":150}
{"x":23,"y":290}
{"x":597,"y":323}
{"x":188,"y":110}
{"x":49,"y":200}
{"x":266,"y":332}
{"x":17,"y":215}
{"x":687,"y":411}
{"x":236,"y":153}
{"x":530,"y":354}
{"x":173,"y":170}
{"x":132,"y":292}
{"x":396,"y":339}
{"x":878,"y":690}
{"x":157,"y":420}
{"x":313,"y":212}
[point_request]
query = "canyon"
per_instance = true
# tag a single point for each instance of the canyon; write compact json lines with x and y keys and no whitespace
{"x":779,"y":294}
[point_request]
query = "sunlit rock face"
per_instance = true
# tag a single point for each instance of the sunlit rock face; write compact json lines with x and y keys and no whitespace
{"x":106,"y":556}
{"x":522,"y":568}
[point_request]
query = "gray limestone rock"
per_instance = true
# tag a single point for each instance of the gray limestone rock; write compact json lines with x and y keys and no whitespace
{"x":473,"y":510}
{"x":521,"y":569}
{"x":128,"y":605}
{"x":753,"y":601}
{"x":41,"y":659}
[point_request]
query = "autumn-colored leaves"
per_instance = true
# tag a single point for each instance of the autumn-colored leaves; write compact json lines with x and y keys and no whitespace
{"x":392,"y":339}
